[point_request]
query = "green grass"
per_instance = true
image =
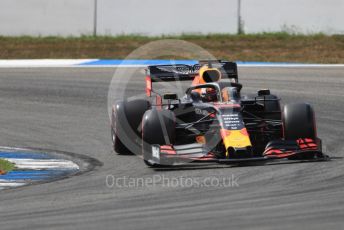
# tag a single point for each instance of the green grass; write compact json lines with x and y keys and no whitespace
{"x":6,"y":166}
{"x":278,"y":47}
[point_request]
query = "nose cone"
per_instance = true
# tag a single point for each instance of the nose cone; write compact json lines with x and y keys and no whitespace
{"x":239,"y":152}
{"x":235,"y":140}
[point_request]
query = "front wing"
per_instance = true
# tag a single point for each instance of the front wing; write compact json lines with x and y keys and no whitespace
{"x":303,"y":148}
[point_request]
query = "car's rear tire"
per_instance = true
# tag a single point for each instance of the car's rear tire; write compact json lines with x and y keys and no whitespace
{"x":299,"y":122}
{"x":126,"y":125}
{"x":158,"y":127}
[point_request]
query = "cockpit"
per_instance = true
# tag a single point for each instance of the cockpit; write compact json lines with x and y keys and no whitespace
{"x":212,"y":92}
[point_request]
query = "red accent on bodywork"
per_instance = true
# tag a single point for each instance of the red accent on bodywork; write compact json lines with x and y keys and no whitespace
{"x":273,"y":151}
{"x":303,"y":144}
{"x":283,"y":128}
{"x":307,"y":144}
{"x":148,"y":86}
{"x":158,"y":101}
{"x":244,"y":132}
{"x":167,"y":149}
{"x":225,"y":133}
{"x":209,"y":156}
{"x":221,"y":105}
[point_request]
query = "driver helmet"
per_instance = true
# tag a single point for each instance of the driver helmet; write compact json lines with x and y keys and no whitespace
{"x":210,"y":95}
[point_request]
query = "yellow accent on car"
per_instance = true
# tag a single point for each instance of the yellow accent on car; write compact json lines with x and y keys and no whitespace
{"x":235,"y":139}
{"x":209,"y":74}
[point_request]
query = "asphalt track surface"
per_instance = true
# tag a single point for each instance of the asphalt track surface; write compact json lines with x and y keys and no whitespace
{"x":66,"y":110}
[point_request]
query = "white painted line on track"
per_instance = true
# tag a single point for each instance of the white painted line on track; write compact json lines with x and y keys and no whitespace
{"x":8,"y":183}
{"x":39,"y":63}
{"x":292,"y":65}
{"x":239,"y":65}
{"x":11,"y":148}
{"x":32,"y":169}
{"x":87,"y":63}
{"x":39,"y":164}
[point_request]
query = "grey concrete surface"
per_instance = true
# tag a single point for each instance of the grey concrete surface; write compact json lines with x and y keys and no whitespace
{"x":306,"y":16}
{"x":152,"y":17}
{"x":47,"y":17}
{"x":157,"y":17}
{"x":66,"y":109}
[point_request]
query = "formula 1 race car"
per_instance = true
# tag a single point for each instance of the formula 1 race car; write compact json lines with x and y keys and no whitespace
{"x":212,"y":121}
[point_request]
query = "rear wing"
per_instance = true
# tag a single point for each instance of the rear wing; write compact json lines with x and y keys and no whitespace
{"x":181,"y":72}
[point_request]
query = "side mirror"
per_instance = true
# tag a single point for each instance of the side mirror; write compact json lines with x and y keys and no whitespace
{"x":170,"y":96}
{"x":263,"y":92}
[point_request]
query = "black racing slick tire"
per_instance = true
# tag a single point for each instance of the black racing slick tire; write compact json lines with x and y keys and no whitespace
{"x":117,"y":144}
{"x":126,"y":125}
{"x":299,"y":121}
{"x":158,"y":127}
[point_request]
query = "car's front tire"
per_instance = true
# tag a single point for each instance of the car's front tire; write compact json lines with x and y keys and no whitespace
{"x":299,"y":122}
{"x":126,"y":125}
{"x":158,"y":128}
{"x":117,"y":144}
